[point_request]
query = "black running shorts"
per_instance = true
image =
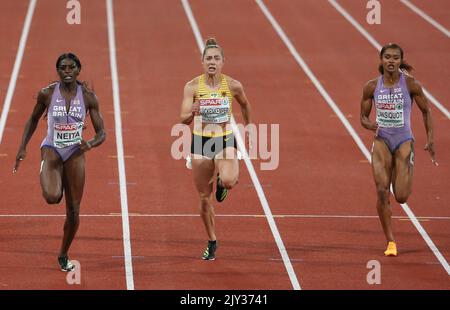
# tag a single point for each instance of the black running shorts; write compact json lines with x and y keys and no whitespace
{"x":211,"y":146}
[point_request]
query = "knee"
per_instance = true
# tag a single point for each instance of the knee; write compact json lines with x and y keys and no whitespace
{"x":401,"y":200}
{"x":382,"y":193}
{"x":401,"y":197}
{"x":52,"y":198}
{"x":204,"y":199}
{"x":73,"y":215}
{"x":228,"y":183}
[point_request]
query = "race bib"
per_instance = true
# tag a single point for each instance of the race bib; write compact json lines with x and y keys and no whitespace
{"x":65,"y":135}
{"x":215,"y":110}
{"x":390,"y":115}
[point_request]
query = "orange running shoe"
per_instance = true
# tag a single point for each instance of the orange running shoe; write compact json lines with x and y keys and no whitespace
{"x":391,"y":249}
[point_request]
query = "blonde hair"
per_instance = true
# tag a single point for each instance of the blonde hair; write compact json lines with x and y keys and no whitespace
{"x":211,"y":43}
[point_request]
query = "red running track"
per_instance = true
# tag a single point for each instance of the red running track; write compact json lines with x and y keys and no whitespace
{"x":322,"y":194}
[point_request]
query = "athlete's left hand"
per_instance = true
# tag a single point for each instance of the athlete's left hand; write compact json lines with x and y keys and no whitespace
{"x":85,"y":146}
{"x":430,"y":148}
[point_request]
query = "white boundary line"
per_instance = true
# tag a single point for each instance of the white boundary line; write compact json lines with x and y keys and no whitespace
{"x":426,"y":17}
{"x":302,"y":216}
{"x":119,"y":143}
{"x":347,"y":125}
{"x":377,"y":45}
{"x":16,"y":68}
{"x":251,"y":170}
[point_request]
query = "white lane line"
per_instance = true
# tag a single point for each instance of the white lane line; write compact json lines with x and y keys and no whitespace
{"x":120,"y":152}
{"x":251,"y":170}
{"x":377,"y":45}
{"x":425,"y":16}
{"x":347,"y":125}
{"x":16,"y":68}
{"x":303,"y":216}
{"x":312,"y":77}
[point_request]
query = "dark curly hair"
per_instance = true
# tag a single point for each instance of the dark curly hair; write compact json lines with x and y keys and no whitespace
{"x":403,"y":65}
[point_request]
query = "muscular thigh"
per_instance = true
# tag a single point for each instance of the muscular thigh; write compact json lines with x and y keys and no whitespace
{"x":404,"y":160}
{"x":227,"y":163}
{"x":203,"y":170}
{"x":51,"y":171}
{"x":382,"y":163}
{"x":74,"y":177}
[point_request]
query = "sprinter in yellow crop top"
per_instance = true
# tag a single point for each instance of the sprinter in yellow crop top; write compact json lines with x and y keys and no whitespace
{"x":207,"y":102}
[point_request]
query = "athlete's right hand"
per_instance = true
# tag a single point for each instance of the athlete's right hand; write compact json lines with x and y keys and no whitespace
{"x":374,"y":127}
{"x":195,"y":108}
{"x":20,"y":156}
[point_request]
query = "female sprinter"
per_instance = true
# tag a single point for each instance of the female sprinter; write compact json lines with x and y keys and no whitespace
{"x":67,"y":103}
{"x":207,"y":101}
{"x":393,"y":147}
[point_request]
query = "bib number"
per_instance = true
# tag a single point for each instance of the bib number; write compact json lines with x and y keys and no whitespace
{"x":65,"y":135}
{"x":390,"y":115}
{"x":215,"y":110}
